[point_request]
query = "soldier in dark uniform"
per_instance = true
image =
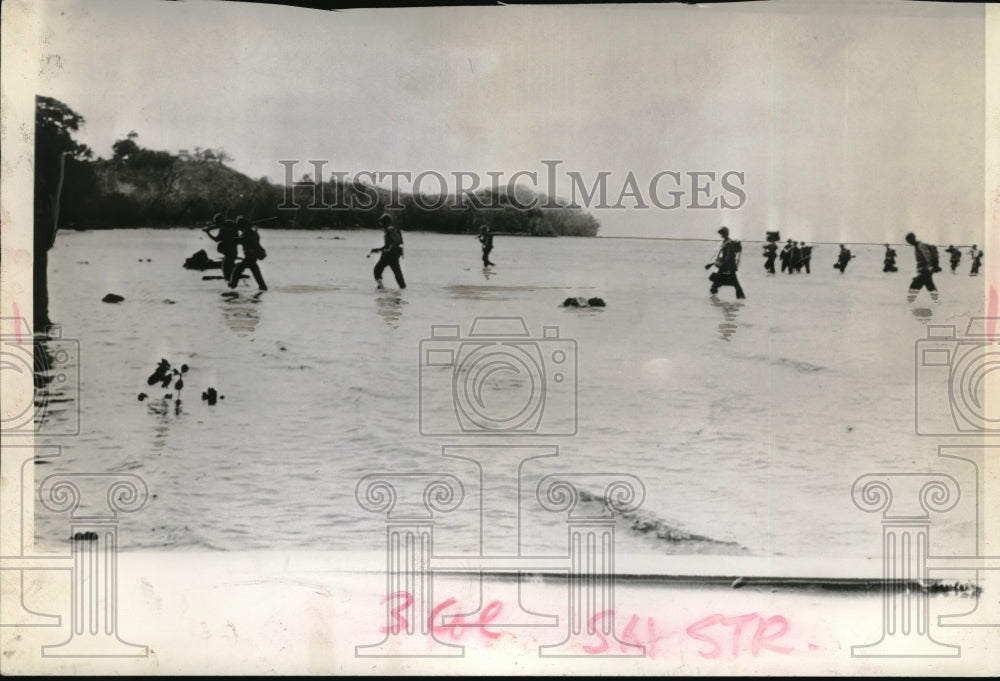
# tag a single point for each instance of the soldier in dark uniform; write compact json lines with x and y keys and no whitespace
{"x":956,"y":257}
{"x":727,"y":260}
{"x":770,"y":253}
{"x":843,"y":258}
{"x":391,"y":251}
{"x":795,"y":259}
{"x":889,"y":262}
{"x":806,"y":255}
{"x":786,"y":257}
{"x":486,"y":239}
{"x":925,"y":269}
{"x":977,"y":260}
{"x":252,"y":252}
{"x":228,"y":239}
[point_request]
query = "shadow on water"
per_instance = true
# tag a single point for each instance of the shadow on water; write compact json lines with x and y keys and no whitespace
{"x":389,"y":307}
{"x":305,"y":288}
{"x":241,"y":315}
{"x":730,"y":312}
{"x":480,"y":292}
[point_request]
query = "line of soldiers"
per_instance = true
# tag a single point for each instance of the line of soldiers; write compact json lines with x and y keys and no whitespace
{"x":955,"y":258}
{"x":795,"y":256}
{"x":231,"y":235}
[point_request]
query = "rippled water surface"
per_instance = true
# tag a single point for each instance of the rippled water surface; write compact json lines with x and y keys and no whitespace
{"x":746,"y":422}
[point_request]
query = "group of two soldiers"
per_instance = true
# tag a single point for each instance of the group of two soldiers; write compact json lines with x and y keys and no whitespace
{"x":229,"y":237}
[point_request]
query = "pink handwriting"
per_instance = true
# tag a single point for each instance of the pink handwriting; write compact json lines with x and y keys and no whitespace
{"x":761,"y":639}
{"x":717,"y":635}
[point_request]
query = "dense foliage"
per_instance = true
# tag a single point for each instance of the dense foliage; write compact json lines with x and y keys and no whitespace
{"x":139,"y":187}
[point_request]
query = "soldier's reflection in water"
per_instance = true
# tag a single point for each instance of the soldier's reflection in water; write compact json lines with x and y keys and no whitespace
{"x":390,"y":308}
{"x":923,"y":314}
{"x":730,"y":311}
{"x":242,"y":314}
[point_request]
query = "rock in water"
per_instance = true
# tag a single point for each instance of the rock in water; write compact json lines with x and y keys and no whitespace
{"x":112,"y":298}
{"x":583,"y":302}
{"x":201,"y":261}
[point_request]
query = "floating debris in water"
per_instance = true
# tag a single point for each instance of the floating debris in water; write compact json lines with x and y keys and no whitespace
{"x":201,"y":261}
{"x":166,"y":375}
{"x":584,"y":302}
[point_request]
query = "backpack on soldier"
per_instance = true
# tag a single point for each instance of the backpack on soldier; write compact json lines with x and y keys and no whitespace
{"x":730,"y":257}
{"x":932,"y":257}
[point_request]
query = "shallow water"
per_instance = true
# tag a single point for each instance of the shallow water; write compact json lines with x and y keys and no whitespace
{"x":747,"y":422}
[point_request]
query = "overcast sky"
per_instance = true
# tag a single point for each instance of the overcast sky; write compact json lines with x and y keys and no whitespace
{"x":848,"y":121}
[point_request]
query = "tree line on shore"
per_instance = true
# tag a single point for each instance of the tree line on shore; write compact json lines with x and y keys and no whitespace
{"x":140,"y":187}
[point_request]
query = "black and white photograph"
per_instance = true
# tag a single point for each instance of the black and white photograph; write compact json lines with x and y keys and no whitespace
{"x":500,"y":339}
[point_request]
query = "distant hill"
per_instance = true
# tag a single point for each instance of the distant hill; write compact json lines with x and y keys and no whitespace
{"x":142,"y":187}
{"x":159,"y":189}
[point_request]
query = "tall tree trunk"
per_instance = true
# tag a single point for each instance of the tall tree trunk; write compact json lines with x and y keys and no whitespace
{"x":58,"y":197}
{"x":41,"y":322}
{"x":44,"y":240}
